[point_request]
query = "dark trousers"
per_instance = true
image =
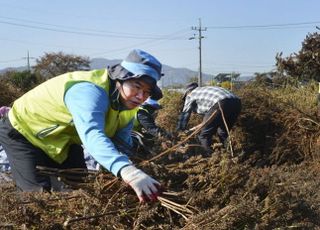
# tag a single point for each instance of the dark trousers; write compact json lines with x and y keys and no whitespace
{"x":231,"y":108}
{"x":24,"y":157}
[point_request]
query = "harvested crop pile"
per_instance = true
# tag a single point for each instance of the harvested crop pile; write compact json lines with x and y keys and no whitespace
{"x":279,"y":125}
{"x":8,"y":93}
{"x":272,"y":180}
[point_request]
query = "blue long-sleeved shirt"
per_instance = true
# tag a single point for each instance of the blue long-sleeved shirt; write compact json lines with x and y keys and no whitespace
{"x":88,"y":104}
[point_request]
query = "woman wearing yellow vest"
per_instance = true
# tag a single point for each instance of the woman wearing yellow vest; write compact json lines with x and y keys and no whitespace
{"x":47,"y":125}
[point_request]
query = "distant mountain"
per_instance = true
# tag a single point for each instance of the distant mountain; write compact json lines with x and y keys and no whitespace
{"x":18,"y":69}
{"x":100,"y":63}
{"x":172,"y":76}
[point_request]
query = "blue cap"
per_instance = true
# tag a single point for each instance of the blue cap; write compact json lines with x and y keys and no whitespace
{"x":141,"y":63}
{"x":137,"y":64}
{"x":153,"y":103}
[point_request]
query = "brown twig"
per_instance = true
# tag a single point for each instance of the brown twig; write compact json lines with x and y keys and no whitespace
{"x":183,"y":141}
{"x":112,"y":197}
{"x":72,"y":220}
{"x":182,"y":210}
{"x":227,"y":128}
{"x":195,"y":127}
{"x":48,"y":200}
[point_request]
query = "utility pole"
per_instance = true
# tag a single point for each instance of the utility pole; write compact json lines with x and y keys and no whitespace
{"x":199,"y":29}
{"x":28,"y":61}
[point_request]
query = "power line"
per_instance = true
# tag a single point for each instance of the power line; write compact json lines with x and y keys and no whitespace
{"x":97,"y":34}
{"x":77,"y":28}
{"x":267,"y":26}
{"x":182,"y":32}
{"x":152,"y":42}
{"x":43,"y":44}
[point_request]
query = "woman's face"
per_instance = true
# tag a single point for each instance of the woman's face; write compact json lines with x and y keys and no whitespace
{"x":134,"y":92}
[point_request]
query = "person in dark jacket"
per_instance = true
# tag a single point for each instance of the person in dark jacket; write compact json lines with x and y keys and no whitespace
{"x":205,"y":101}
{"x":145,"y":128}
{"x":145,"y":119}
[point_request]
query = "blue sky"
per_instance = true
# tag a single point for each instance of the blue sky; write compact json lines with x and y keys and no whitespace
{"x":241,"y":35}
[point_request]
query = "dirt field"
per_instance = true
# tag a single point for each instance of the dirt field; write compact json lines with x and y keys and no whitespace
{"x":269,"y":179}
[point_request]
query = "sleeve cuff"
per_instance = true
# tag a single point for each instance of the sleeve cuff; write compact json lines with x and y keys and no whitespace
{"x":117,"y":166}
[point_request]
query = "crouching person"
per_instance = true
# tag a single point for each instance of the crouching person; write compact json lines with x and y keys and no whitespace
{"x":205,"y":101}
{"x":48,"y":124}
{"x":145,"y":130}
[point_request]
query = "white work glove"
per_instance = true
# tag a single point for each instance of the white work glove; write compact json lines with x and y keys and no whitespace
{"x":146,"y":188}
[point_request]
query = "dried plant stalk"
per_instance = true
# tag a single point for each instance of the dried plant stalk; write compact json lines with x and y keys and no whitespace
{"x":182,"y":210}
{"x":199,"y":127}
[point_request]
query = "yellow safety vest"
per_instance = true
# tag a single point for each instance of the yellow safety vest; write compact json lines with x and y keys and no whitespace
{"x":42,"y":118}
